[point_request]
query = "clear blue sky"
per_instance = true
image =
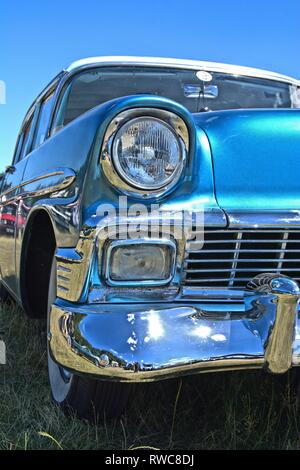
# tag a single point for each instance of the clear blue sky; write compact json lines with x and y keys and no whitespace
{"x":39,"y":38}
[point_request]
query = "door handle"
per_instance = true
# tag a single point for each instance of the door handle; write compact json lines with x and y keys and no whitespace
{"x":10,"y":169}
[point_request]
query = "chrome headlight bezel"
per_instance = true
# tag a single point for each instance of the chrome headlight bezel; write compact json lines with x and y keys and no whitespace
{"x":108,"y":160}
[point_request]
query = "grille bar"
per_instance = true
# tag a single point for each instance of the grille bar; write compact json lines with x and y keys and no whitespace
{"x":225,"y":259}
{"x":252,"y":260}
{"x":235,"y":270}
{"x":251,"y":241}
{"x":249,"y":230}
{"x":224,"y":280}
{"x":243,"y":251}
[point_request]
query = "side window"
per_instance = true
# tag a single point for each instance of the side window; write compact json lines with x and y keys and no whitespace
{"x":18,"y":148}
{"x":26,"y":135}
{"x":43,"y":120}
{"x":60,"y":115}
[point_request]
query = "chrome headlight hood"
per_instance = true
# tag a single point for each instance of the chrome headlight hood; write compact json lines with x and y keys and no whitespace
{"x":125,"y":172}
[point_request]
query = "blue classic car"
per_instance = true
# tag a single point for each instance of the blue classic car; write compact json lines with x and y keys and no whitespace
{"x":154,"y":220}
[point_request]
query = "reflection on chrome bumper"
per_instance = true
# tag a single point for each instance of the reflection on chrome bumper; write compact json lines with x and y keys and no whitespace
{"x":145,"y":342}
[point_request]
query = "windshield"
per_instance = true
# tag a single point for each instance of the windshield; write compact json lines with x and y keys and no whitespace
{"x":197,"y":91}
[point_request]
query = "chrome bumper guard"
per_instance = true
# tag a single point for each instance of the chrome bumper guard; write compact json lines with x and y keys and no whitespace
{"x":154,"y":341}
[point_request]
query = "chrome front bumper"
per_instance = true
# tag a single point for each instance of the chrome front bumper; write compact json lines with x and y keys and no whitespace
{"x":154,"y":341}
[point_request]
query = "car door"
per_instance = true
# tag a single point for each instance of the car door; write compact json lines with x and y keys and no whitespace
{"x":10,"y":189}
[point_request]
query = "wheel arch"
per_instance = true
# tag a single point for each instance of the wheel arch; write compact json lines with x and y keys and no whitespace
{"x":38,"y":248}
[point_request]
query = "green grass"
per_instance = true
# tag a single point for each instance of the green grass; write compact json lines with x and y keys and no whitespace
{"x":249,"y":410}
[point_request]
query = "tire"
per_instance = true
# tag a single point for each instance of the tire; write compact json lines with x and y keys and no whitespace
{"x":87,"y":398}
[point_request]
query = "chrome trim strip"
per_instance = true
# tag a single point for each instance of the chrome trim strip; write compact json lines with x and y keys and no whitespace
{"x":250,"y":260}
{"x":216,"y":242}
{"x":214,"y":293}
{"x":235,"y":270}
{"x":76,"y":262}
{"x":263,"y":219}
{"x":69,"y":177}
{"x":225,"y":279}
{"x":242,"y":251}
{"x":245,"y":229}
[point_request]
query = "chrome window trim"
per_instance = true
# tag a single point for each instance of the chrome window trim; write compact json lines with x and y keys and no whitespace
{"x":49,"y":94}
{"x":139,"y":241}
{"x":33,"y":111}
{"x":18,"y":149}
{"x":106,"y":155}
{"x":30,"y":122}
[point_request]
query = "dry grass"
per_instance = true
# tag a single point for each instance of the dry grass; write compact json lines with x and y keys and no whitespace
{"x":248,"y":410}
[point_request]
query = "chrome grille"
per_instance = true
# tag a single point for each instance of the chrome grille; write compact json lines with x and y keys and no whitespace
{"x":231,"y":258}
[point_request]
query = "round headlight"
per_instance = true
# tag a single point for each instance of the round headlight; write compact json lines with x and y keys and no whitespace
{"x":147,"y":153}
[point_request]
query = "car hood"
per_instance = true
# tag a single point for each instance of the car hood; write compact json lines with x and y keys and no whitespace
{"x":256,"y":158}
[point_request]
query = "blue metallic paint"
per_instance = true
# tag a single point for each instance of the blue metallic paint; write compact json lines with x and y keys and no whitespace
{"x":256,"y":158}
{"x":232,"y":166}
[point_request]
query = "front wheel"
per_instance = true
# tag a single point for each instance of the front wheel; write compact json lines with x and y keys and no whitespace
{"x":87,"y":398}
